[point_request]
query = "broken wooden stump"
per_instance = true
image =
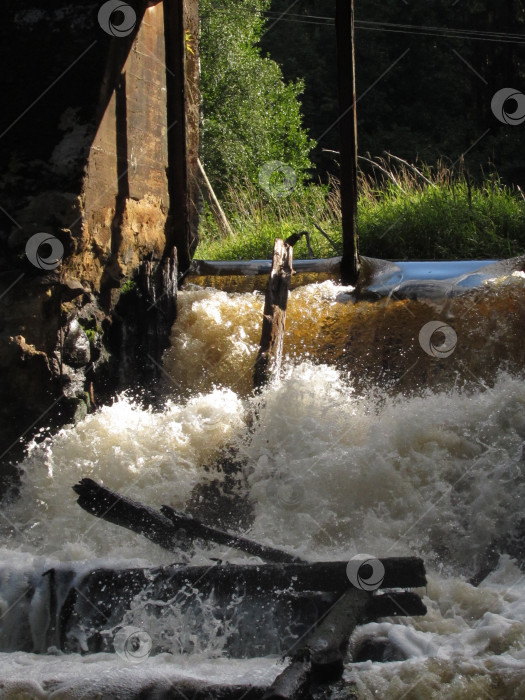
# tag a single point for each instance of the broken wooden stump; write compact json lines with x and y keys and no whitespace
{"x":274,"y":315}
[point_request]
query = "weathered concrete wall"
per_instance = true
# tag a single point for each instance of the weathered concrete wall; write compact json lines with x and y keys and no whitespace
{"x":85,"y":160}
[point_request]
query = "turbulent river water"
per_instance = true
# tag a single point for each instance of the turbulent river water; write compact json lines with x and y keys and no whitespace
{"x":367,"y":443}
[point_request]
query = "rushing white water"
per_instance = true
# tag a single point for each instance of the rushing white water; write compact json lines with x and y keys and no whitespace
{"x":330,"y":471}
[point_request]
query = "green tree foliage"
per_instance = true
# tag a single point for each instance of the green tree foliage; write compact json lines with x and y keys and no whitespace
{"x":250,"y":114}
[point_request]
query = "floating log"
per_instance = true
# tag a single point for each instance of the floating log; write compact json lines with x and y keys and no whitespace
{"x":295,"y":596}
{"x":274,"y":316}
{"x":166,"y":527}
{"x":399,"y":572}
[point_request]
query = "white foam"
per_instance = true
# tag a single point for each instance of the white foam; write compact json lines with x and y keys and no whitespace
{"x":330,"y":473}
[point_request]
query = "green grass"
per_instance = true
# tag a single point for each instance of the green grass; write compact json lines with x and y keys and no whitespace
{"x":405,"y":213}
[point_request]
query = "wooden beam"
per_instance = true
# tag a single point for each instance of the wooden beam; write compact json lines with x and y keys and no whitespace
{"x":284,"y":587}
{"x":344,"y":24}
{"x":400,"y":572}
{"x":163,"y":528}
{"x":194,"y":528}
{"x":181,"y":27}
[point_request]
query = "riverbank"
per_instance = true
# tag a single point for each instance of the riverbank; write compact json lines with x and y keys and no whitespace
{"x":405,"y":213}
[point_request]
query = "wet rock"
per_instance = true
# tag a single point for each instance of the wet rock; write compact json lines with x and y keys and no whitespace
{"x":76,"y":408}
{"x":73,"y":380}
{"x":72,"y":288}
{"x":76,"y":349}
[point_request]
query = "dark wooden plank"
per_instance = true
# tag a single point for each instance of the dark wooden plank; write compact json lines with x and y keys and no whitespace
{"x":194,"y":528}
{"x":163,"y":528}
{"x":395,"y":604}
{"x":182,"y":84}
{"x":285,"y":589}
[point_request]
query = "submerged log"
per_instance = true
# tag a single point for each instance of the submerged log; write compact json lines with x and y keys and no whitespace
{"x":295,"y":596}
{"x":274,"y":317}
{"x":286,"y":596}
{"x":292,"y":683}
{"x":321,"y":656}
{"x":165,"y":527}
{"x":328,"y":642}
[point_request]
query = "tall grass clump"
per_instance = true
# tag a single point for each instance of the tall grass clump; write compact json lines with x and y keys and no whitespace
{"x":404,"y":212}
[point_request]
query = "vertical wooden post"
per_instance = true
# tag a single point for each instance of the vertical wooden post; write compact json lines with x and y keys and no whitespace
{"x":181,"y":34}
{"x":344,"y":24}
